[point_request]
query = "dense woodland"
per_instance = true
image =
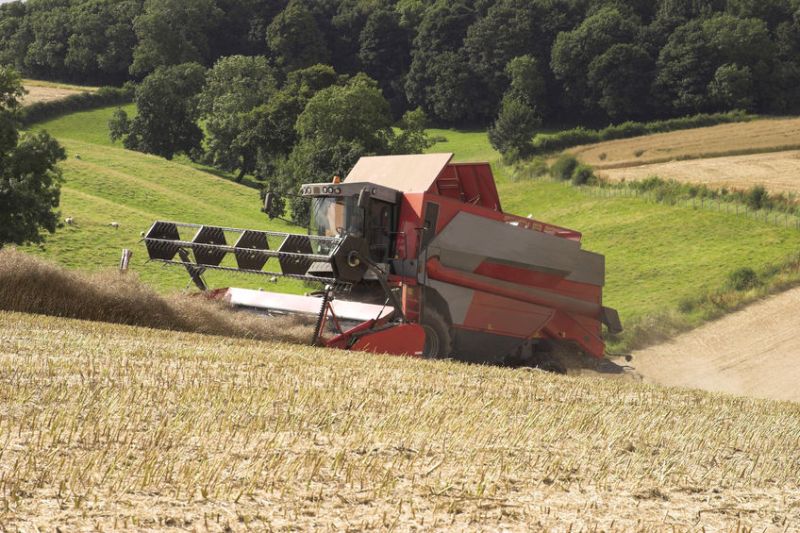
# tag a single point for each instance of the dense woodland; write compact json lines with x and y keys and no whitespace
{"x":590,"y":60}
{"x":285,"y":88}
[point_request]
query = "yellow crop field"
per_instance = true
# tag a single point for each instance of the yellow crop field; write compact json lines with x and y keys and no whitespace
{"x":777,"y":171}
{"x":41,"y":91}
{"x":736,"y":156}
{"x":758,"y":136}
{"x":109,"y":427}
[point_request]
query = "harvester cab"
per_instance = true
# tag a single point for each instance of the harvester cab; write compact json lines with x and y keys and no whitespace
{"x":415,"y":257}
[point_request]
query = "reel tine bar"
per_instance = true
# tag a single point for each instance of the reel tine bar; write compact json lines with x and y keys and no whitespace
{"x":209,"y":247}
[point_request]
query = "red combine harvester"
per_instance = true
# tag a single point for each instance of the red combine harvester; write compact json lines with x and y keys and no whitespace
{"x":417,"y":258}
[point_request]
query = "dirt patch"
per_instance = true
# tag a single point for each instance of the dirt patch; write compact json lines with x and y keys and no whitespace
{"x":754,"y":352}
{"x":766,"y":135}
{"x":778,"y":172}
{"x":46,"y":94}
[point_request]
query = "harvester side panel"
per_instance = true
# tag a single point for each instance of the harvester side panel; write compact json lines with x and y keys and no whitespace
{"x":518,"y":279}
{"x":472,"y":235}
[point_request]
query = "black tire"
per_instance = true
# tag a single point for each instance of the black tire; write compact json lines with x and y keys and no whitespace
{"x":438,"y":341}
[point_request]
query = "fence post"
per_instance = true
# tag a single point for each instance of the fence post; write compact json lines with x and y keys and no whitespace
{"x":125,"y":260}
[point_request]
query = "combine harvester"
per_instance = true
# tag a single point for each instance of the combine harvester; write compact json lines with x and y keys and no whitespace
{"x":416,"y":258}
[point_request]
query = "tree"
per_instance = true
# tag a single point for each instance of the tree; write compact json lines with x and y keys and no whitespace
{"x":690,"y":61}
{"x":620,"y":81}
{"x":47,"y":49}
{"x":243,"y":27}
{"x":440,"y":79}
{"x":101,"y":41}
{"x":412,"y":138}
{"x":510,"y":29}
{"x":30,"y":180}
{"x":234,"y":87}
{"x":295,"y":40}
{"x":385,"y":53}
{"x":15,"y":34}
{"x":454,"y":95}
{"x":271,"y":125}
{"x":355,"y":112}
{"x":685,"y":66}
{"x":347,"y":25}
{"x":527,"y":83}
{"x":167,"y":113}
{"x":512,"y":132}
{"x":339,"y":125}
{"x":574,"y":51}
{"x":732,"y":87}
{"x":173,"y":32}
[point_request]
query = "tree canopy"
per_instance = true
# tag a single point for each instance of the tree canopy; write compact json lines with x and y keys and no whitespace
{"x":30,"y":181}
{"x":166,"y":122}
{"x":598,"y":61}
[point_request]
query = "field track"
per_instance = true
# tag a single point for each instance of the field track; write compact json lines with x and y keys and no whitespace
{"x":754,"y":352}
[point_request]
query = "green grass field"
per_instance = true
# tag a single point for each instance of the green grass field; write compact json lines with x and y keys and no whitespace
{"x":105,"y":183}
{"x":657,"y":255}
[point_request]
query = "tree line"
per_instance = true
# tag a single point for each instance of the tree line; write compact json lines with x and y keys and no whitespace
{"x":461,"y":61}
{"x":241,"y":117}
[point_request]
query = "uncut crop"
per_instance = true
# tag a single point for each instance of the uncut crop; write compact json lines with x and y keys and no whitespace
{"x":108,"y":426}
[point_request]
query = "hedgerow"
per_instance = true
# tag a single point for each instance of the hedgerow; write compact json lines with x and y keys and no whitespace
{"x":554,"y":142}
{"x":103,"y":97}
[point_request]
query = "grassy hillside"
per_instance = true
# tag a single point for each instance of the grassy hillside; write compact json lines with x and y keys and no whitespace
{"x":108,"y":427}
{"x":657,"y":255}
{"x":105,"y":184}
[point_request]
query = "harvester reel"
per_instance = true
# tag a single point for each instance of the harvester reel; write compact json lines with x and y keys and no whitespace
{"x":296,"y":255}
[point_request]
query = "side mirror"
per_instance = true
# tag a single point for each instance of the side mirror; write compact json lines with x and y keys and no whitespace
{"x":363,"y":198}
{"x":271,"y":205}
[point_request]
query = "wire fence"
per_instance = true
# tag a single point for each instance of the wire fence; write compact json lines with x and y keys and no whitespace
{"x":767,"y":216}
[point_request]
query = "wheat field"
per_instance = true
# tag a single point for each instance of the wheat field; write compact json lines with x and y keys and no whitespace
{"x":779,"y":172}
{"x":758,"y":136}
{"x":111,"y":427}
{"x":42,"y":91}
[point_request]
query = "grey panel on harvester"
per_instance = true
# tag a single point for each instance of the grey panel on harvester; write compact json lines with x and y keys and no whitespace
{"x":481,"y":237}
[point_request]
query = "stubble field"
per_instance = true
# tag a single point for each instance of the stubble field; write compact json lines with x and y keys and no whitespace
{"x":112,"y":426}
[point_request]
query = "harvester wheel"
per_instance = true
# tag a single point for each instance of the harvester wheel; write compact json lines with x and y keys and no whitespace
{"x":438,"y":342}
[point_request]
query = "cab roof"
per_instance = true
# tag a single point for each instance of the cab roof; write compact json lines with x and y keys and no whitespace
{"x":471,"y":183}
{"x":404,"y":173}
